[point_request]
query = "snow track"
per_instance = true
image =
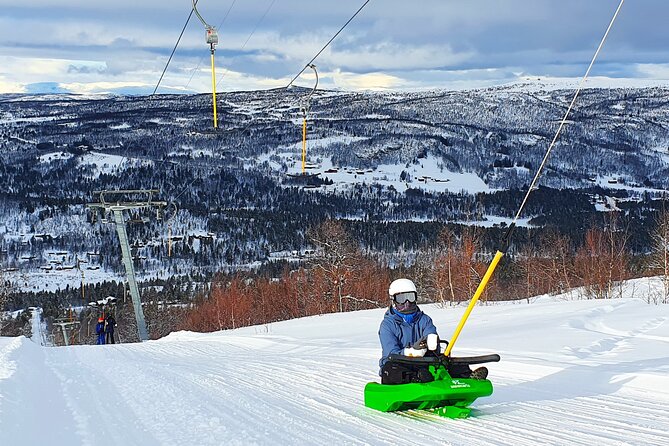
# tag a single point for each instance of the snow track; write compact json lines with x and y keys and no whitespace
{"x":577,"y":373}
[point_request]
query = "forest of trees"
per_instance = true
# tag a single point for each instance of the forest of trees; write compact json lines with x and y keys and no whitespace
{"x":340,"y":276}
{"x":237,"y":209}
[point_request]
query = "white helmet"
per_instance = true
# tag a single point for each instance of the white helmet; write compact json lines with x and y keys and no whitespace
{"x":401,"y":286}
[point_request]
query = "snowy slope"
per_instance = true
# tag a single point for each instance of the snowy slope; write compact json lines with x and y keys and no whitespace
{"x":572,"y":373}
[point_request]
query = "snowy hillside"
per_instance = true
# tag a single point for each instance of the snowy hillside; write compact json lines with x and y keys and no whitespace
{"x":572,"y":373}
{"x":396,"y":157}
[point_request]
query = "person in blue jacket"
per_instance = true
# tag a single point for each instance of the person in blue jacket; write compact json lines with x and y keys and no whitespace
{"x":407,"y":331}
{"x":100,"y":330}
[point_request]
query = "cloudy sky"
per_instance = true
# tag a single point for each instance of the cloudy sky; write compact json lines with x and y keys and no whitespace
{"x":123,"y":46}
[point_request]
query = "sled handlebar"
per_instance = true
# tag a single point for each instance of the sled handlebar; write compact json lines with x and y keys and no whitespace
{"x":441,"y":360}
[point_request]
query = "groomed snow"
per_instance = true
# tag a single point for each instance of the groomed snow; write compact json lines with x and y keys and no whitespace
{"x":585,"y":372}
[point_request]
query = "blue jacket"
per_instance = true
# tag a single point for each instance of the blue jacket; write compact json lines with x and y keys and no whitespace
{"x":396,"y":333}
{"x":100,"y":328}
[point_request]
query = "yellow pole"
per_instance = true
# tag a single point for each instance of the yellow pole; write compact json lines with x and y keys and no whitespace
{"x":169,"y":240}
{"x":475,"y":298}
{"x":304,"y":144}
{"x":213,"y":86}
{"x":83,"y":292}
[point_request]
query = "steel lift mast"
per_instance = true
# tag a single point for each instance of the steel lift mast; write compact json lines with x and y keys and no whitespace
{"x":117,"y":209}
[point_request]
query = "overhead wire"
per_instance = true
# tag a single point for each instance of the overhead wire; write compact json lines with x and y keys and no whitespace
{"x":148,"y":99}
{"x":236,"y":131}
{"x":220,"y":25}
{"x":190,"y":15}
{"x":273,"y":104}
{"x":255,"y":28}
{"x":564,"y":119}
{"x":327,"y":44}
{"x":507,"y":236}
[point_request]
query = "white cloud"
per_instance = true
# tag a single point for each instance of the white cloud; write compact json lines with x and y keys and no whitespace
{"x":655,"y":71}
{"x":370,"y":81}
{"x":10,"y":87}
{"x":391,"y":44}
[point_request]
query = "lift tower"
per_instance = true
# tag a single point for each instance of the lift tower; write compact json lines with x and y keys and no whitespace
{"x":117,"y":208}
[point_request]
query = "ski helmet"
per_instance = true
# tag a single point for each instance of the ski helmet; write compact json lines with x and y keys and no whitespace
{"x":101,"y":319}
{"x":401,"y":286}
{"x":404,"y":295}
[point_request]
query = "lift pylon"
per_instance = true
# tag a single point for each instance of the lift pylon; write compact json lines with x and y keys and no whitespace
{"x":118,"y":209}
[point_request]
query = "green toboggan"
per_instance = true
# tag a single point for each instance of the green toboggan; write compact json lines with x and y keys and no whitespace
{"x":446,"y":396}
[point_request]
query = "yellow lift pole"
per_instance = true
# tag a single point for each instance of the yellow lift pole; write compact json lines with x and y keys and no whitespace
{"x":304,"y":143}
{"x":213,"y":73}
{"x":305,"y":110}
{"x":212,"y":40}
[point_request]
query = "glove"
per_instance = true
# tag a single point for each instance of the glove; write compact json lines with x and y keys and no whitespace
{"x":432,"y":342}
{"x":420,"y":344}
{"x":414,"y":352}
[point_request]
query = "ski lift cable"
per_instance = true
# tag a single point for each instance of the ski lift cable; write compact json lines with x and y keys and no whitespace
{"x":255,"y":28}
{"x":197,"y":13}
{"x":292,"y":81}
{"x":507,"y":236}
{"x":190,"y":15}
{"x":327,"y":44}
{"x":242,"y":130}
{"x":566,"y":115}
{"x":148,"y":102}
{"x":311,"y":62}
{"x":227,"y":13}
{"x":220,"y":25}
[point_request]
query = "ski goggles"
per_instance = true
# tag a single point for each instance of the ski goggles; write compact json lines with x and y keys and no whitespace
{"x":401,"y":298}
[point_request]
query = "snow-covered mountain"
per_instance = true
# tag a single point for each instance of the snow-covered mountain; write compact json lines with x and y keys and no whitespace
{"x":432,"y":156}
{"x":573,"y":372}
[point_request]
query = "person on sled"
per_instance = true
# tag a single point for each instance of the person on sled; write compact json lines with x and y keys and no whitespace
{"x":100,"y":330}
{"x":407,"y":331}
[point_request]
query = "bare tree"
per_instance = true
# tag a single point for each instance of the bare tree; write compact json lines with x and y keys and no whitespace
{"x":458,"y":268}
{"x":603,"y":260}
{"x":444,"y":266}
{"x":529,"y":266}
{"x":660,"y":257}
{"x":558,"y":270}
{"x":5,"y":290}
{"x":337,"y":256}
